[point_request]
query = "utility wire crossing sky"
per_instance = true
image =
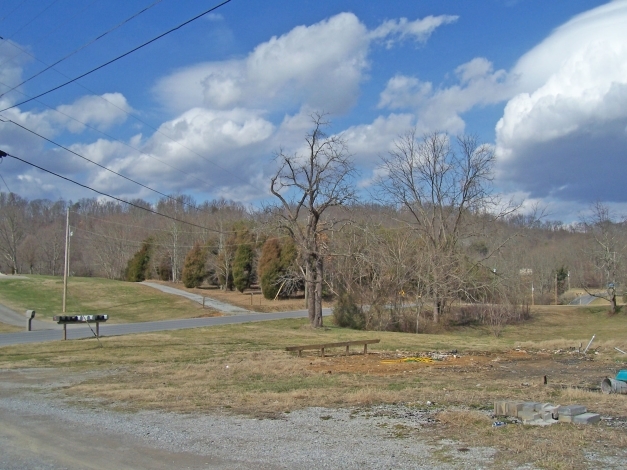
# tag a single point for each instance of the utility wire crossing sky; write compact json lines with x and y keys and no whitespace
{"x":180,"y":99}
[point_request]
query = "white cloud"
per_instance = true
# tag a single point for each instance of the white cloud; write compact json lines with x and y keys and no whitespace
{"x":420,"y":30}
{"x":564,"y":136}
{"x":319,"y":67}
{"x":100,"y":112}
{"x":441,"y":108}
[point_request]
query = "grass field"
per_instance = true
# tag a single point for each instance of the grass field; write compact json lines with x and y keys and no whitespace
{"x":245,"y":369}
{"x":124,"y":302}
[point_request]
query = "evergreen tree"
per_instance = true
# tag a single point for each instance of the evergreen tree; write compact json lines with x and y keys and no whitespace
{"x":194,"y":271}
{"x":243,"y":267}
{"x":137,"y":269}
{"x":270,"y":268}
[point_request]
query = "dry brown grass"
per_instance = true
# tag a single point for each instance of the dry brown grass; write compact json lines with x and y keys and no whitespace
{"x":245,"y":369}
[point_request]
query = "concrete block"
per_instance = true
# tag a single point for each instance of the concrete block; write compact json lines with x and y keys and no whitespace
{"x":530,"y":405}
{"x":528,"y":416}
{"x":513,"y":408}
{"x":565,"y":418}
{"x":548,"y":416}
{"x":571,"y":410}
{"x":500,"y":408}
{"x":587,"y":418}
{"x":541,"y":406}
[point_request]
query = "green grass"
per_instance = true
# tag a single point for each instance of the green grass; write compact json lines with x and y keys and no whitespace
{"x":124,"y":302}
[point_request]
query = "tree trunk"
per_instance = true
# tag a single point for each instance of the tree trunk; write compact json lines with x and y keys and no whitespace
{"x":317,"y":323}
{"x":310,"y":289}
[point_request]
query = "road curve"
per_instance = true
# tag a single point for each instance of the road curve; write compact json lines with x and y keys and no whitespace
{"x":80,"y":332}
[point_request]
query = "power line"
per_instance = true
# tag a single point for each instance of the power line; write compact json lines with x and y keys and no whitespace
{"x":58,"y":26}
{"x":120,"y":56}
{"x":83,"y":46}
{"x":99,"y":165}
{"x":5,"y":154}
{"x":12,"y":11}
{"x":33,"y":19}
{"x":112,"y":137}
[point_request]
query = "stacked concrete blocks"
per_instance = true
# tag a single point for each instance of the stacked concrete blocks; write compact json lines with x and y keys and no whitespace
{"x":542,"y":414}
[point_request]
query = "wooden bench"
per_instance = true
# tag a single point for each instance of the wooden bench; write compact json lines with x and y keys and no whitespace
{"x":322,"y":347}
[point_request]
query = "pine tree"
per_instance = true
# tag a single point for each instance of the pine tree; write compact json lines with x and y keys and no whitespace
{"x":137,"y":269}
{"x":194,"y":271}
{"x":270,"y":268}
{"x":243,"y":267}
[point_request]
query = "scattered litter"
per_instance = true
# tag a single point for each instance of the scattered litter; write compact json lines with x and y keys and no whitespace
{"x":498,"y":424}
{"x":620,"y":351}
{"x":591,"y":340}
{"x":407,"y":359}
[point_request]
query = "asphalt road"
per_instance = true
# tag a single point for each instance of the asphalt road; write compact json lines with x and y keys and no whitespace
{"x":80,"y":331}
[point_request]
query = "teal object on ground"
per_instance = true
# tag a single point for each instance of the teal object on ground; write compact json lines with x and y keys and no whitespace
{"x":622,"y":375}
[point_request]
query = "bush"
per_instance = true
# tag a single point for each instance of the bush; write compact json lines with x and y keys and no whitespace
{"x":274,"y":268}
{"x":346,"y":312}
{"x":138,"y":265}
{"x":243,"y":267}
{"x":194,"y":272}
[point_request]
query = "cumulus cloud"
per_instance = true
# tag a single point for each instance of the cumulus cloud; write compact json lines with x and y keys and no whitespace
{"x":564,"y":136}
{"x":420,"y":30}
{"x":441,"y":108}
{"x":319,"y":66}
{"x":100,"y":112}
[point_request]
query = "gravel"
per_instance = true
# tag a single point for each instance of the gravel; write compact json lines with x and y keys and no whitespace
{"x":314,"y":438}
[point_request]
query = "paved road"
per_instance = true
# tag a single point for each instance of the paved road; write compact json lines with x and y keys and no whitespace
{"x":583,"y":300}
{"x":79,"y":331}
{"x":209,"y":302}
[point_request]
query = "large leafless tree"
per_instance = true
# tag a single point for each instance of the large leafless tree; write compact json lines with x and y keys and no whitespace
{"x":306,"y":184}
{"x":443,"y":186}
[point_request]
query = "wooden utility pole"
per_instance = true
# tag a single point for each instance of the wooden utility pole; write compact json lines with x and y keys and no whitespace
{"x":555,"y":288}
{"x":67,"y":256}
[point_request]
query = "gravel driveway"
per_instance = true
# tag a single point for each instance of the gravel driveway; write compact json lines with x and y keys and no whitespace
{"x":42,"y":430}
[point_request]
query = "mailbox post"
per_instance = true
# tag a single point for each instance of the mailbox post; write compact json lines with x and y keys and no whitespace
{"x":30,"y":314}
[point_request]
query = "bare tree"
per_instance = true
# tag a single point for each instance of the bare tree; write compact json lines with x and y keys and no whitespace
{"x":606,"y":251}
{"x":306,"y":185}
{"x":12,"y":228}
{"x":443,"y":189}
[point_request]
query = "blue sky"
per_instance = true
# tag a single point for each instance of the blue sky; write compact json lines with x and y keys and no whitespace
{"x":203,"y":110}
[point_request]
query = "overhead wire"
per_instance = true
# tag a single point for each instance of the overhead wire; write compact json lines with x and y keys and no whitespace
{"x":98,"y":164}
{"x":248,"y":183}
{"x":5,"y":154}
{"x":80,"y":48}
{"x":119,"y":56}
{"x":59,"y":25}
{"x":33,"y":19}
{"x":108,"y":135}
{"x":12,"y":11}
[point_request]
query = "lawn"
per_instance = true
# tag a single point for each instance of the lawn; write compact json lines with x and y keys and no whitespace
{"x":124,"y":302}
{"x":245,"y":369}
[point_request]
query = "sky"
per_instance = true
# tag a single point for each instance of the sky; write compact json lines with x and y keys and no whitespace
{"x":204,"y":110}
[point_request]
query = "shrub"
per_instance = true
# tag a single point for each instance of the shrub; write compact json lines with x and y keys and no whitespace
{"x":138,"y":265}
{"x":194,"y":272}
{"x":243,"y":267}
{"x":346,"y":312}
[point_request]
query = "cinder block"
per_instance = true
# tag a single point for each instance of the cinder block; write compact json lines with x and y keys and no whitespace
{"x":571,"y":410}
{"x":548,"y":416}
{"x":565,"y":418}
{"x":587,"y":418}
{"x":500,"y":408}
{"x":541,"y":406}
{"x":513,"y":408}
{"x":528,"y":416}
{"x":530,"y":405}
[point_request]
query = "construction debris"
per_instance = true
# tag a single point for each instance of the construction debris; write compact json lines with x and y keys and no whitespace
{"x":543,"y":414}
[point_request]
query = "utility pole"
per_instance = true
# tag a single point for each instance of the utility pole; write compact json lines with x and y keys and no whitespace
{"x":66,"y":267}
{"x":555,"y":288}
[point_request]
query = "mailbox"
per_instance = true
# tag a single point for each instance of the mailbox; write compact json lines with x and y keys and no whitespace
{"x":30,"y":314}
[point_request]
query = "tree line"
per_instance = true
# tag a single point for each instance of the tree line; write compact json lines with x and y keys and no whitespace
{"x":432,"y":241}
